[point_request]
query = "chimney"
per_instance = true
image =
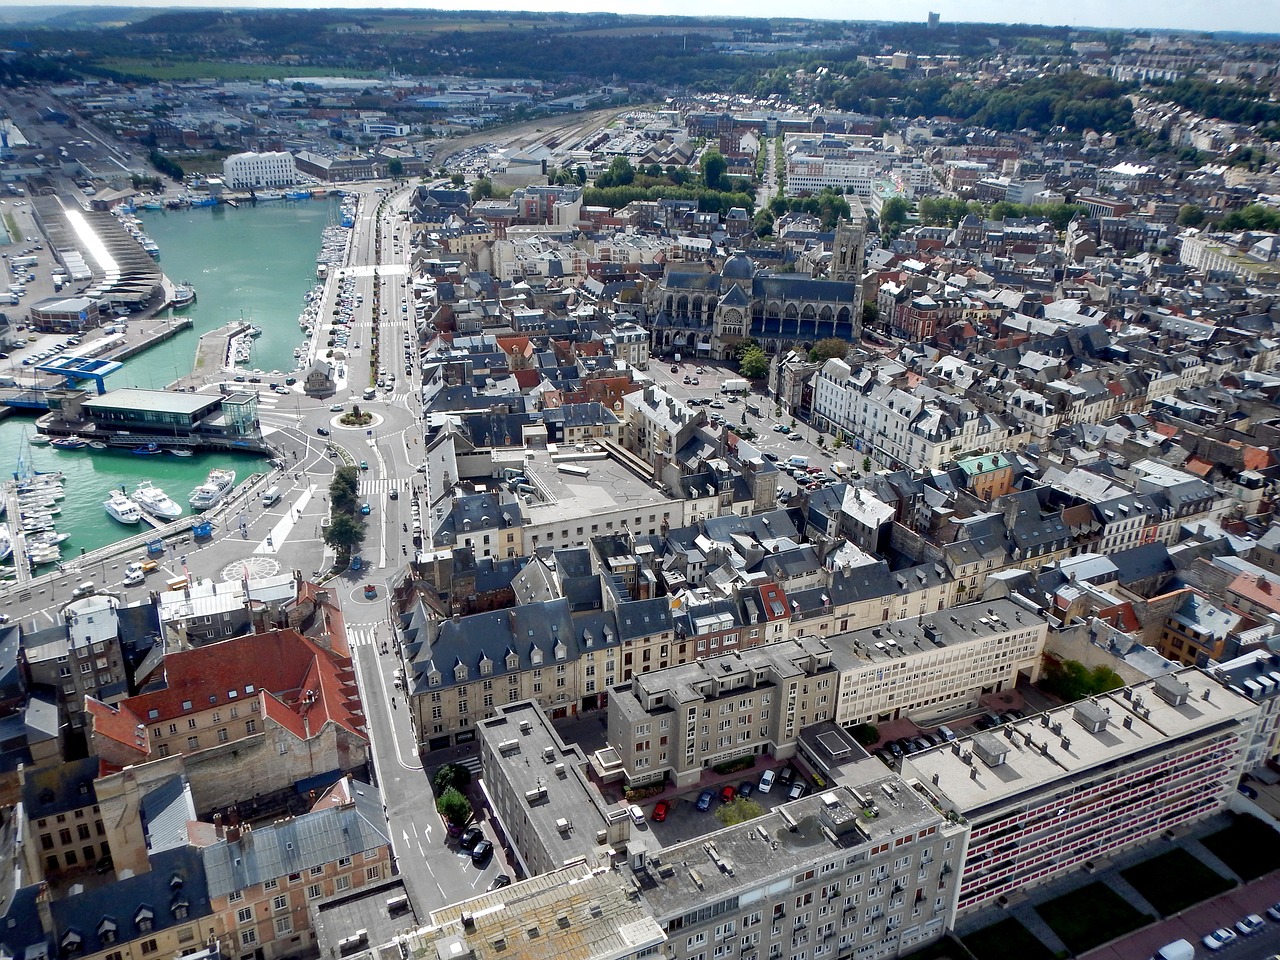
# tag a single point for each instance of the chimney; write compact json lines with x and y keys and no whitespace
{"x":217,"y":825}
{"x":233,"y":833}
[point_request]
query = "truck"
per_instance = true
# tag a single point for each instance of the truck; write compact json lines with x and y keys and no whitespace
{"x":1178,"y":950}
{"x":133,"y":574}
{"x":840,"y":468}
{"x":735,"y":386}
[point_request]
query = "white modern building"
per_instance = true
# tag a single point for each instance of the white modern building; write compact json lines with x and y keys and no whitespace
{"x":244,"y":171}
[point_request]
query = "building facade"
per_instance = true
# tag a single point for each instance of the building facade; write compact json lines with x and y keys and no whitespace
{"x":250,"y":171}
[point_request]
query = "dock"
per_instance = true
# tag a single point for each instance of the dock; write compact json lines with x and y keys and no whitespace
{"x":211,"y":357}
{"x":20,"y":565}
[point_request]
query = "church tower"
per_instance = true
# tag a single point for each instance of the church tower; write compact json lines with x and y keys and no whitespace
{"x":848,"y":255}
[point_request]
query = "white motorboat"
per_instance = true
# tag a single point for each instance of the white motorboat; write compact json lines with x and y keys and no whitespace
{"x":156,"y":502}
{"x":119,"y":507}
{"x":6,"y":541}
{"x":214,"y":489}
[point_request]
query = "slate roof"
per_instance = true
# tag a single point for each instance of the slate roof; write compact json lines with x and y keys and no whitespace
{"x":115,"y":912}
{"x":322,"y":836}
{"x":59,"y":788}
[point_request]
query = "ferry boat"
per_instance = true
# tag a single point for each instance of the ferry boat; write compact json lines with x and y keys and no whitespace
{"x":214,"y":489}
{"x":69,"y":443}
{"x":184,"y":295}
{"x":6,"y":542}
{"x":119,"y":507}
{"x":155,"y":501}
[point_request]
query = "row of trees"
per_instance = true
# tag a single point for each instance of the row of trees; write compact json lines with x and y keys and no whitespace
{"x":346,"y":525}
{"x":945,"y":212}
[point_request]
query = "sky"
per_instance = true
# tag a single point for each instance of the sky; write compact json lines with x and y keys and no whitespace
{"x":1259,"y":16}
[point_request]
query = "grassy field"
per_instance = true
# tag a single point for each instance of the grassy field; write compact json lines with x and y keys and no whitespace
{"x":1090,"y":916}
{"x":11,"y":227}
{"x":415,"y":26}
{"x":1249,"y":847}
{"x":219,"y":70}
{"x":1175,"y":880}
{"x":1008,"y":938}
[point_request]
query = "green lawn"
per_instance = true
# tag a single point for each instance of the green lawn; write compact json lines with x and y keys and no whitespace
{"x":1248,"y":846}
{"x":1090,"y":916}
{"x":1175,"y":880}
{"x":218,"y":70}
{"x":1008,"y":938}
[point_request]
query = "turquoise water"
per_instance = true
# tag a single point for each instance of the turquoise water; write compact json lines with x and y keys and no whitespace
{"x":256,"y":261}
{"x":253,"y":262}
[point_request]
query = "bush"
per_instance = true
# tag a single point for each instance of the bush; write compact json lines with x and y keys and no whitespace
{"x":636,"y":794}
{"x":865,"y":733}
{"x":450,"y":776}
{"x":1072,"y":680}
{"x":733,"y":766}
{"x":454,"y":807}
{"x":738,"y":810}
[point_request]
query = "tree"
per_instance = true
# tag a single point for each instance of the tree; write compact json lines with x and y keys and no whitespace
{"x":870,"y":313}
{"x":713,"y":166}
{"x":482,"y":189}
{"x":894,"y":215}
{"x":1190,"y":215}
{"x":620,"y":173}
{"x":452,"y":776}
{"x":1071,"y":680}
{"x":828,"y":348}
{"x":345,"y":485}
{"x":745,"y":345}
{"x":344,"y":533}
{"x":738,"y":810}
{"x":866,"y":464}
{"x":395,"y":167}
{"x":457,"y":179}
{"x":454,"y":807}
{"x":754,"y":365}
{"x":865,"y":733}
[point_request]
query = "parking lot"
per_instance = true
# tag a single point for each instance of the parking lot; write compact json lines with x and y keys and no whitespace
{"x":685,"y":822}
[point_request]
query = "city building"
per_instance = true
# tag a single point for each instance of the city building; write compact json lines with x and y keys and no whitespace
{"x":1054,"y":792}
{"x":868,"y":871}
{"x":254,"y":171}
{"x":677,"y":722}
{"x":545,"y":806}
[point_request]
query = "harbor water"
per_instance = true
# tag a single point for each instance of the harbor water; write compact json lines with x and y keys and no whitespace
{"x":255,"y":262}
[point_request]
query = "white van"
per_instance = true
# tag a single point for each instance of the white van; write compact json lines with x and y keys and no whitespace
{"x":1178,"y":950}
{"x":798,"y":461}
{"x":271,"y":496}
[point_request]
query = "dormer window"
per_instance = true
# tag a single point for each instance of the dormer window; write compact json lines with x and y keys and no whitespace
{"x":72,"y":942}
{"x":513,"y":662}
{"x":535,"y":656}
{"x":433,"y":679}
{"x":107,"y":930}
{"x":144,"y":920}
{"x":460,"y":672}
{"x":486,"y":667}
{"x":180,"y":909}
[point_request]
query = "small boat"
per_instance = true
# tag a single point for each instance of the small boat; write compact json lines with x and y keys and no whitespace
{"x":6,"y":542}
{"x":50,"y":538}
{"x":255,"y":331}
{"x":215,"y":487}
{"x":97,"y":445}
{"x":40,"y":555}
{"x":184,"y":295}
{"x":147,"y":450}
{"x":181,"y":453}
{"x":155,"y":501}
{"x":119,"y":507}
{"x":69,"y":443}
{"x":39,"y":440}
{"x":152,"y":205}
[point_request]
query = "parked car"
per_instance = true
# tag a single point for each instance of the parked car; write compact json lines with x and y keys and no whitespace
{"x":894,"y":748}
{"x":637,"y":815}
{"x":481,"y":852}
{"x":746,"y":789}
{"x":727,"y":793}
{"x":704,"y":800}
{"x":470,"y":837}
{"x":798,"y":790}
{"x":1273,"y":912}
{"x":660,"y":811}
{"x":766,"y":780}
{"x":1219,"y":938}
{"x":787,"y":775}
{"x":987,"y":721}
{"x":1250,"y":925}
{"x":500,"y":881}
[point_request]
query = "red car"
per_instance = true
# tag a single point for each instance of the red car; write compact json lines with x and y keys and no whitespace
{"x":660,"y":811}
{"x":727,"y":794}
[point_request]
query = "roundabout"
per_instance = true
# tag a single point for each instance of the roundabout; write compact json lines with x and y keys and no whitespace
{"x":253,"y":567}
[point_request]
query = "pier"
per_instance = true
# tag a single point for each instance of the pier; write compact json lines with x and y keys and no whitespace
{"x":211,"y":357}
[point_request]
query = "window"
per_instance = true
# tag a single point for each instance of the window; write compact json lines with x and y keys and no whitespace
{"x":148,"y":946}
{"x":373,"y":873}
{"x":270,"y":884}
{"x":342,"y":883}
{"x":313,"y":891}
{"x":248,"y":937}
{"x":244,"y":915}
{"x":284,"y":926}
{"x":250,"y":726}
{"x":235,"y":896}
{"x":280,"y":902}
{"x":222,"y":734}
{"x":191,"y":723}
{"x":193,"y":743}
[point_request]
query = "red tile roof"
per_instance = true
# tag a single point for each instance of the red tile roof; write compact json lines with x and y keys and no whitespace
{"x":291,"y":675}
{"x":119,"y":724}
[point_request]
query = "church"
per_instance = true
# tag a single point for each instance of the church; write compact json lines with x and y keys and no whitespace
{"x":703,"y":314}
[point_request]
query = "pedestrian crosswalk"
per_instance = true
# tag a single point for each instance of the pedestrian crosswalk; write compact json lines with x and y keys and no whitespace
{"x":362,"y":636}
{"x":371,"y":485}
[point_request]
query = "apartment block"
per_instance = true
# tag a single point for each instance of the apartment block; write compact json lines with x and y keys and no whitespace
{"x":679,"y":721}
{"x":246,"y":171}
{"x":868,"y":872}
{"x":1048,"y":794}
{"x":549,"y":811}
{"x":937,"y":664}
